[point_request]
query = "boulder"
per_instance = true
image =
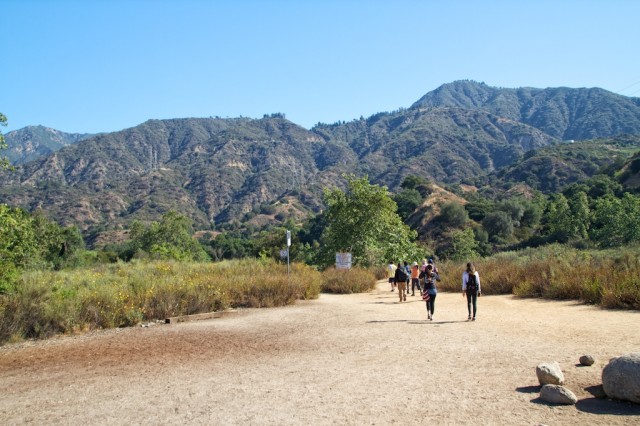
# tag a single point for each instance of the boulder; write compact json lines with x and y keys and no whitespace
{"x":621,"y":378}
{"x":556,"y":394}
{"x":587,"y":360}
{"x":549,"y":373}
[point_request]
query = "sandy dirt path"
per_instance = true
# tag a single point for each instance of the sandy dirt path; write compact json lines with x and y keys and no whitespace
{"x":342,"y":359}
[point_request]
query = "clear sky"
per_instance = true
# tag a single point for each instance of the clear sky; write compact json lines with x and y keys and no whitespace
{"x":105,"y":65}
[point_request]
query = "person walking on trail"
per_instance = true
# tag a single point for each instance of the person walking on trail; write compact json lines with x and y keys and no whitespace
{"x":429,"y":291}
{"x":407,"y":271}
{"x":415,"y":279}
{"x":435,"y":268}
{"x":471,"y":289}
{"x":401,"y":282}
{"x":391,"y":273}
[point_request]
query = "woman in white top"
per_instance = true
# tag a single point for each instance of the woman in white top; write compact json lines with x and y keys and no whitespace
{"x":471,"y":289}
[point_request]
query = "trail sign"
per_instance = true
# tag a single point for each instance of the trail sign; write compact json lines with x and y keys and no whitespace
{"x":343,"y":260}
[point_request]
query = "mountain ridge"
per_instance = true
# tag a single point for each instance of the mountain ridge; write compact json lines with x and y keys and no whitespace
{"x":218,"y":171}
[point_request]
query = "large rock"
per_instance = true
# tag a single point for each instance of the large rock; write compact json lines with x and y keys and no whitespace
{"x":549,"y":373}
{"x":587,"y":360}
{"x":556,"y":394}
{"x":621,"y":378}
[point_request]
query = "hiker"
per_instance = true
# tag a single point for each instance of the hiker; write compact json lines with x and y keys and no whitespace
{"x":415,"y":279}
{"x":401,"y":282}
{"x":423,"y":269}
{"x":429,"y":291}
{"x":435,"y":268}
{"x":471,"y":289}
{"x":391,"y":273}
{"x":407,"y":271}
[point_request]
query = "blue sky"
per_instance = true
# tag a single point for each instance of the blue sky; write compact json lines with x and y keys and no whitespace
{"x":105,"y":65}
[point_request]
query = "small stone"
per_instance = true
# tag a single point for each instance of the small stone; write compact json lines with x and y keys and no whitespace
{"x":587,"y":360}
{"x":556,"y":394}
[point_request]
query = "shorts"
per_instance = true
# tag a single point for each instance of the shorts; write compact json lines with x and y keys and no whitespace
{"x":392,"y":280}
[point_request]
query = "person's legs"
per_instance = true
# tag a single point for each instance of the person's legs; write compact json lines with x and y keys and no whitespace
{"x":469,"y":297}
{"x":474,"y":299}
{"x":401,"y":291}
{"x":432,"y":299}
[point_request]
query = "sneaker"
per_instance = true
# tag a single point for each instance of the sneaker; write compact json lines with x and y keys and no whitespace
{"x":469,"y":318}
{"x":473,"y":319}
{"x":413,"y":294}
{"x":405,"y":298}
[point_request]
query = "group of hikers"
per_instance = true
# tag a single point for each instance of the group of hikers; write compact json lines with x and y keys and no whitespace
{"x":424,"y":278}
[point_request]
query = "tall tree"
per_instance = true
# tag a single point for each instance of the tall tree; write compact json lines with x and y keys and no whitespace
{"x":363,"y":221}
{"x":171,"y":238}
{"x":616,"y":221}
{"x":558,"y":218}
{"x":580,"y":215}
{"x":4,"y":161}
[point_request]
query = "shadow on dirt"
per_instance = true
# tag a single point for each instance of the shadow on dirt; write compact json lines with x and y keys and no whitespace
{"x":608,"y":406}
{"x":529,"y":389}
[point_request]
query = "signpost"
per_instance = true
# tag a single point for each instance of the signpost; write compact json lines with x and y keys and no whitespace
{"x":288,"y":245}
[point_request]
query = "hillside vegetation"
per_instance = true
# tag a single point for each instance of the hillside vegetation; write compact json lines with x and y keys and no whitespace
{"x":265,"y":171}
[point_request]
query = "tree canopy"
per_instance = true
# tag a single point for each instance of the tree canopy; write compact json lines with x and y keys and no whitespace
{"x":4,"y":162}
{"x":363,"y":221}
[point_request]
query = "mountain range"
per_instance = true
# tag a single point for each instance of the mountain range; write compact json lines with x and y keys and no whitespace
{"x":220,"y":171}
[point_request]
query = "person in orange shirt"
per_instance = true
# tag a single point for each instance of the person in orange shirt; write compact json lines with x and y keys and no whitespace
{"x":415,"y":279}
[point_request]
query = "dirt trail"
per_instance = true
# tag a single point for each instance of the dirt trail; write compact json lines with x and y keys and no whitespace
{"x":349,"y":359}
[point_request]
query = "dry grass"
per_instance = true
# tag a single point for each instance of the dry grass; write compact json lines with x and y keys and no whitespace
{"x":608,"y":278}
{"x":119,"y":295}
{"x":347,"y":281}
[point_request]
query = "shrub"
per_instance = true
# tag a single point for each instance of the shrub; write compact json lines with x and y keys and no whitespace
{"x":118,"y":295}
{"x":609,"y":278}
{"x":347,"y":281}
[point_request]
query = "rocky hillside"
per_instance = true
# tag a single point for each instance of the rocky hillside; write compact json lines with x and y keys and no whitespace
{"x":552,"y":168}
{"x":33,"y":142}
{"x":561,"y":112}
{"x":264,"y":170}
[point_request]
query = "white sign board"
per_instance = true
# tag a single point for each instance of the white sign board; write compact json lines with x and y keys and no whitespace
{"x":343,"y":260}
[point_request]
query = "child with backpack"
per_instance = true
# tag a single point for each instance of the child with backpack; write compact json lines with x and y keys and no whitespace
{"x":471,"y":289}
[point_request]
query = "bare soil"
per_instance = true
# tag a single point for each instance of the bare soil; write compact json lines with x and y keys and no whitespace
{"x":341,"y":359}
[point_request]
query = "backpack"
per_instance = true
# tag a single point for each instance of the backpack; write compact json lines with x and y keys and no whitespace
{"x":472,"y":283}
{"x":401,"y":274}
